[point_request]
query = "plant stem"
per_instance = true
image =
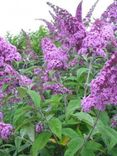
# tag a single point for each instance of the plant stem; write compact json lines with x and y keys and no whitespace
{"x":89,"y":135}
{"x":88,"y":76}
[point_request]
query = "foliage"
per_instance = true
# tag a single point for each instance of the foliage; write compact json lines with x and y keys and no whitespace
{"x":47,"y":107}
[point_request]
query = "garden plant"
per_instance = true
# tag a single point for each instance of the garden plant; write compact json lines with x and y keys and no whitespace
{"x":58,"y":86}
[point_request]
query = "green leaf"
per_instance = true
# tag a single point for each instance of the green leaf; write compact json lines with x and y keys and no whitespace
{"x":113,"y":152}
{"x":73,"y":146}
{"x":18,"y":141}
{"x":81,"y":71}
{"x":22,"y":92}
{"x":29,"y":131}
{"x":109,"y":135}
{"x":72,"y":106}
{"x":4,"y":87}
{"x":90,"y":148}
{"x":40,"y":142}
{"x":35,"y":97}
{"x":82,"y":116}
{"x":104,"y":118}
{"x":93,"y":145}
{"x":69,"y":132}
{"x":56,"y":127}
{"x":87,"y":152}
{"x":20,"y":115}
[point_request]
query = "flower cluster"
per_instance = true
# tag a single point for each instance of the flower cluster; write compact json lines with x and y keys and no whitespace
{"x":57,"y":88}
{"x":67,"y":29}
{"x":39,"y":128}
{"x":9,"y":77}
{"x":5,"y":130}
{"x":103,"y":87}
{"x":110,"y":15}
{"x":97,"y":39}
{"x":54,"y":57}
{"x":79,"y":12}
{"x":8,"y":52}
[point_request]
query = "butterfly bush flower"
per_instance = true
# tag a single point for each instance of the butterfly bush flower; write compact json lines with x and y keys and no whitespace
{"x":8,"y":75}
{"x":5,"y":130}
{"x":97,"y":39}
{"x":8,"y":52}
{"x":110,"y":15}
{"x":79,"y":12}
{"x":24,"y":81}
{"x":39,"y":127}
{"x":103,"y":87}
{"x":54,"y":57}
{"x":68,"y":29}
{"x":57,"y":88}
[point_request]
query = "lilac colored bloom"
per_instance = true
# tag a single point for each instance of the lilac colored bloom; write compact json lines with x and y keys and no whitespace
{"x":24,"y":81}
{"x":103,"y":87}
{"x":68,"y":29}
{"x":79,"y":12}
{"x":9,"y":77}
{"x":110,"y":15}
{"x":97,"y":39}
{"x":5,"y":130}
{"x":8,"y":52}
{"x":57,"y":88}
{"x":54,"y":57}
{"x":39,"y":128}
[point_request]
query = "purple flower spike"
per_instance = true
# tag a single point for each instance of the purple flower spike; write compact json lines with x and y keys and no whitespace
{"x":79,"y":12}
{"x":103,"y":87}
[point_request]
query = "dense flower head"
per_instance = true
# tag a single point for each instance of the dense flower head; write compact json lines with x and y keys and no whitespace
{"x":8,"y":52}
{"x":98,"y":38}
{"x":103,"y":87}
{"x":57,"y":88}
{"x":68,"y":29}
{"x":110,"y":15}
{"x":54,"y":57}
{"x":10,"y":79}
{"x":5,"y":130}
{"x":39,"y":127}
{"x":24,"y":81}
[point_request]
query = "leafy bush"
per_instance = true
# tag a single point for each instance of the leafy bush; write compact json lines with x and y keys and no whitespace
{"x":58,"y":88}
